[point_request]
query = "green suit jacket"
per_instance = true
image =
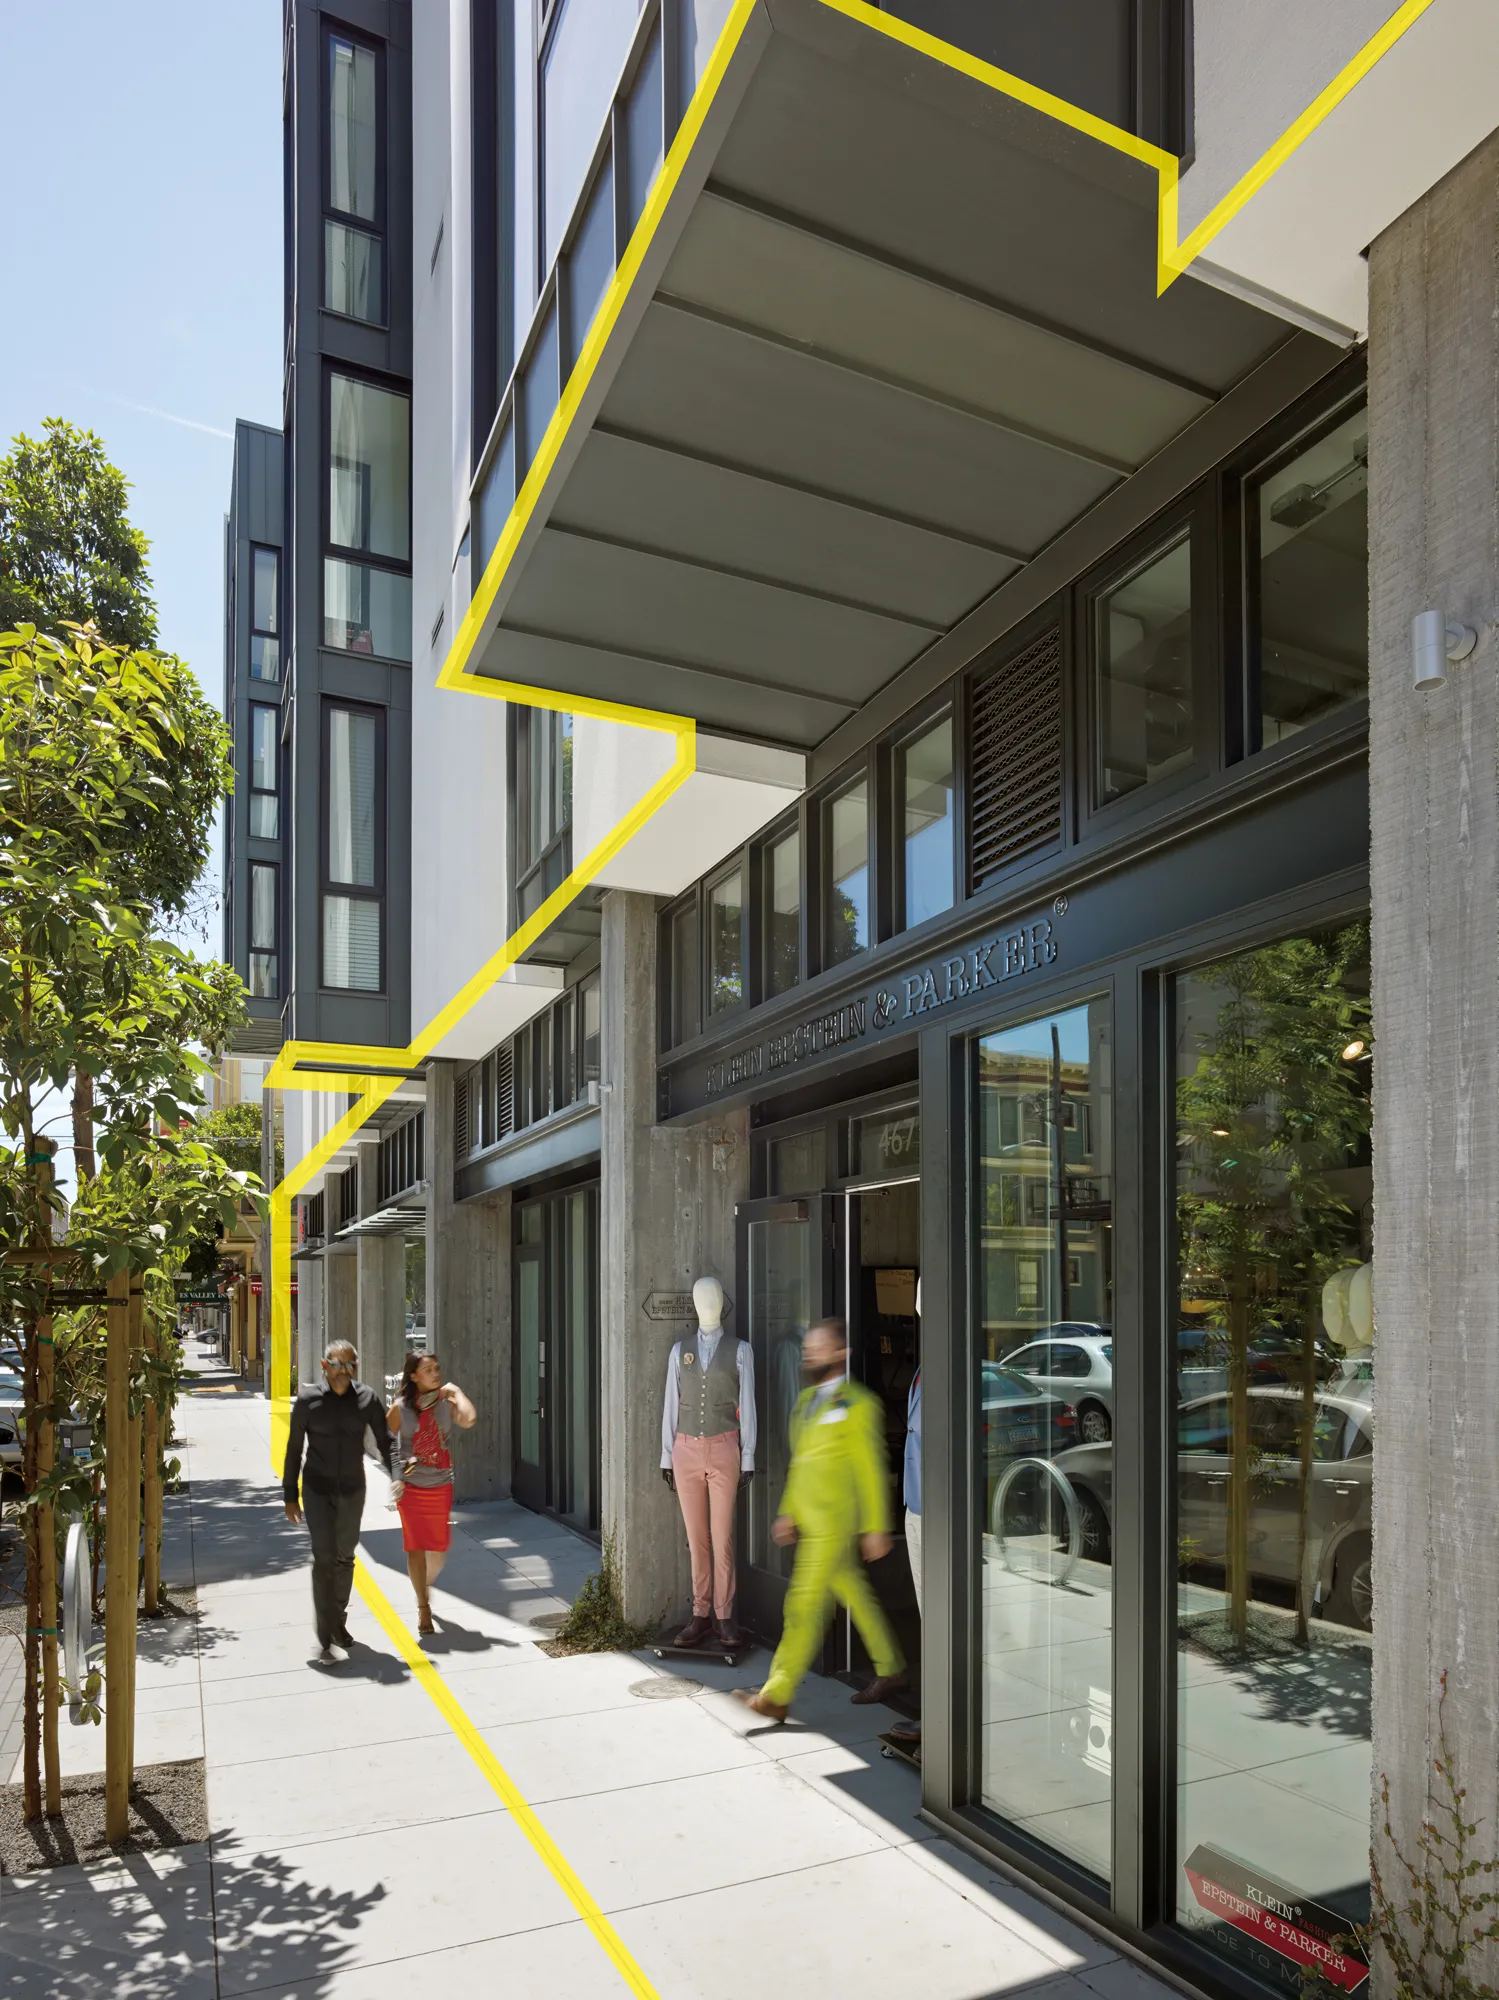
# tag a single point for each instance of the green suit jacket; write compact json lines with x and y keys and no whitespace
{"x":839,"y":1482}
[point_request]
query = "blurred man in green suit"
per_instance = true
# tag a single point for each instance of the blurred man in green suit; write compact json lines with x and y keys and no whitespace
{"x":836,"y":1511}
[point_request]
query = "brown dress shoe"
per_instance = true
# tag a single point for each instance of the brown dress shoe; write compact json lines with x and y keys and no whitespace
{"x":728,"y":1634}
{"x":878,"y":1688}
{"x":774,"y":1711}
{"x":694,"y":1632}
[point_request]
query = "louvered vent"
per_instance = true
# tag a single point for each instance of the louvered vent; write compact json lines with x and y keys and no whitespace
{"x":505,"y":1088}
{"x":1017,"y":758}
{"x":460,"y":1118}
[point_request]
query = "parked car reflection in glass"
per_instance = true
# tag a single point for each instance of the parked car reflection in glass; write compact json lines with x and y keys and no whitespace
{"x":1336,"y":1543}
{"x":1075,"y":1361}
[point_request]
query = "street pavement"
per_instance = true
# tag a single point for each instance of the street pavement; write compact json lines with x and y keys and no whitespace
{"x":363,"y":1847}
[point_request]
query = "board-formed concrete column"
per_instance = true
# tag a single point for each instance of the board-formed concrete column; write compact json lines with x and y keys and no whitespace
{"x":308,"y":1272}
{"x":1434,"y":545}
{"x":468,"y":1301}
{"x":667,"y":1201}
{"x":340,"y":1295}
{"x":381,"y":1265}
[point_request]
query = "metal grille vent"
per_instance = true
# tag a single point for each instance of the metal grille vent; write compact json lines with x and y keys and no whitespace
{"x":1017,"y":758}
{"x":505,"y":1089}
{"x":460,"y":1118}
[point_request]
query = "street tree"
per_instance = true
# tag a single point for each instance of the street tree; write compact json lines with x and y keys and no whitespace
{"x":68,"y":553}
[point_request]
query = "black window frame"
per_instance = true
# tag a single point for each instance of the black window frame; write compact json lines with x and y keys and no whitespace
{"x":253,"y":950}
{"x":271,"y":710}
{"x":761,"y":886}
{"x":259,"y":631}
{"x":553,"y":864}
{"x":736,"y":863}
{"x":871,"y":771}
{"x":379,"y":227}
{"x":952,"y":707}
{"x":339,"y":551}
{"x":357,"y":891}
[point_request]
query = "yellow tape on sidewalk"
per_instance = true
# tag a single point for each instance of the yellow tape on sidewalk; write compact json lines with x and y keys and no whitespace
{"x":548,"y":1852}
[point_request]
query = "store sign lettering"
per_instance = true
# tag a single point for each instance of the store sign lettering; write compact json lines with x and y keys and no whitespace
{"x":991,"y":962}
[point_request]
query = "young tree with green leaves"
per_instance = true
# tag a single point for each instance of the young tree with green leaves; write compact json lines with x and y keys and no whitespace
{"x":68,"y":553}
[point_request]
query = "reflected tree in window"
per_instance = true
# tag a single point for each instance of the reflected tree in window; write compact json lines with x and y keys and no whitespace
{"x":1273,"y":1116}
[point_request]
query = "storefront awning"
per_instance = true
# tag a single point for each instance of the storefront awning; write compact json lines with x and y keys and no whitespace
{"x":885,"y":330}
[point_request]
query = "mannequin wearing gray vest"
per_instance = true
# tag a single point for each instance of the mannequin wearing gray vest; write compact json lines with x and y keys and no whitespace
{"x":707,"y":1451}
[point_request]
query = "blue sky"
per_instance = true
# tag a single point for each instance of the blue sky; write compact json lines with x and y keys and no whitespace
{"x":140,"y":237}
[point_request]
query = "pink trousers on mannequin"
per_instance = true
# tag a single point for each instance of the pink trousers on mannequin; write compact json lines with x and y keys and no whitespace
{"x":707,"y":1476}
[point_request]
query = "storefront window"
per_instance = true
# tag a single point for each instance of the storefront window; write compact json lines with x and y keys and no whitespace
{"x":726,"y":942}
{"x":1309,"y":613}
{"x":846,"y":850}
{"x":1046,"y":1402}
{"x":1143,"y":675}
{"x":783,"y":913}
{"x":926,"y":803}
{"x":1275,"y":1450}
{"x":797,"y":1165}
{"x":686,"y":1003}
{"x":886,"y":1144}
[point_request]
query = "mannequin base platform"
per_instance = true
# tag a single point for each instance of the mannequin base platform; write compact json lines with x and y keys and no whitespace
{"x":902,"y":1753}
{"x":710,"y":1649}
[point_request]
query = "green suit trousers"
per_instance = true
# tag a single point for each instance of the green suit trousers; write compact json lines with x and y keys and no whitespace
{"x":827,"y":1569}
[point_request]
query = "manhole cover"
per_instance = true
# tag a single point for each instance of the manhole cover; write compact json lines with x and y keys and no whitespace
{"x":551,"y":1621}
{"x":665,"y":1687}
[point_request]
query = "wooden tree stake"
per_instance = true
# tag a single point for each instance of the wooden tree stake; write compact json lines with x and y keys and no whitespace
{"x":119,"y":1563}
{"x":152,"y":1447}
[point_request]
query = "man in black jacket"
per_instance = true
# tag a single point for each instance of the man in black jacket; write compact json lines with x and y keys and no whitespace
{"x":329,"y":1419}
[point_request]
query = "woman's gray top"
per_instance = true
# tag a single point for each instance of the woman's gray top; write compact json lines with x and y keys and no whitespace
{"x":426,"y":1475}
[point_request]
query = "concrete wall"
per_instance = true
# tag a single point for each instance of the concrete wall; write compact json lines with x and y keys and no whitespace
{"x":468,"y":1301}
{"x":666,"y":1217}
{"x":340,"y":1296}
{"x":1434,"y":543}
{"x":310,"y":1341}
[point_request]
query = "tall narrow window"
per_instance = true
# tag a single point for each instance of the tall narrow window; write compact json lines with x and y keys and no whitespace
{"x":846,"y":857}
{"x":366,"y":580}
{"x":353,"y":866}
{"x":590,"y":1032}
{"x":686,"y":974}
{"x":1143,"y":675}
{"x":353,"y":256}
{"x":543,"y":749}
{"x":926,"y":803}
{"x":263,"y":971}
{"x":264,"y":756}
{"x":265,"y":615}
{"x":726,"y":941}
{"x":781,"y":878}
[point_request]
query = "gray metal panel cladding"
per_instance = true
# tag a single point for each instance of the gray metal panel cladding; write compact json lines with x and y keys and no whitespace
{"x":718,"y":513}
{"x":708,"y":386}
{"x":608,"y":595}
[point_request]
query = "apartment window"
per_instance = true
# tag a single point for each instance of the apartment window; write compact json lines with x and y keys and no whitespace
{"x":781,"y":919}
{"x":1142,"y":674}
{"x":353,"y":245}
{"x":543,"y":756}
{"x":1308,"y":596}
{"x":265,"y":615}
{"x":366,"y":579}
{"x":263,"y":968}
{"x":583,"y":52}
{"x":726,"y":941}
{"x":264,"y":758}
{"x":925,"y":777}
{"x":846,"y":862}
{"x":353,"y":851}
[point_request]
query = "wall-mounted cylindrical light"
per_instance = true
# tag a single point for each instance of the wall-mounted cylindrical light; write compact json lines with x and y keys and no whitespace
{"x":1436,"y":639}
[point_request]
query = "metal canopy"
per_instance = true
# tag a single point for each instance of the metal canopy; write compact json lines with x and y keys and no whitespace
{"x":894,"y":332}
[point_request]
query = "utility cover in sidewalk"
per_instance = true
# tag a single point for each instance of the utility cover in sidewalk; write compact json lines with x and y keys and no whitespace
{"x":665,"y":1687}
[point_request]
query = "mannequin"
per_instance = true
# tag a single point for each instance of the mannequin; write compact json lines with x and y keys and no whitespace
{"x":707,"y":1454}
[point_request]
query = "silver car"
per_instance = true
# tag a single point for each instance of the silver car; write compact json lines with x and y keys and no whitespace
{"x":1078,"y":1366}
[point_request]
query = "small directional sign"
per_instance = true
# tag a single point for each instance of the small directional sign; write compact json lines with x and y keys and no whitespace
{"x":675,"y":1306}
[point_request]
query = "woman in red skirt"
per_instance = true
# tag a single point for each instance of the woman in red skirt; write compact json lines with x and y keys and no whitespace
{"x":423,"y":1418}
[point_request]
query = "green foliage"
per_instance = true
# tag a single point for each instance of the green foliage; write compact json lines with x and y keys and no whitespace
{"x":234,"y":1130}
{"x":597,"y":1621}
{"x":67,"y":549}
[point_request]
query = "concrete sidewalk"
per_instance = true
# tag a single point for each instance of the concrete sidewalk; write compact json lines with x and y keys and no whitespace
{"x":358,"y":1850}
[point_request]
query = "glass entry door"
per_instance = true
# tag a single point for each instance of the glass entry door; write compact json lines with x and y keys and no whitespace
{"x":557,"y":1356}
{"x":788,"y":1270}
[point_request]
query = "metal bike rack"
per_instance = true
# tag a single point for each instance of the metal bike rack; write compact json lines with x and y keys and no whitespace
{"x":77,"y":1610}
{"x":1073,"y":1512}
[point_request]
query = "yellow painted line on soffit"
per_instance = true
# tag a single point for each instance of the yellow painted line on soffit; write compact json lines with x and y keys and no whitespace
{"x":1173,"y":256}
{"x":430,"y":1680}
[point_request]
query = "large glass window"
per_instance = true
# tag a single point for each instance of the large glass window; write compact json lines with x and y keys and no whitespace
{"x":264,"y":758}
{"x":1142,"y":654}
{"x":1044,"y":1548}
{"x":265,"y":615}
{"x":353,"y":257}
{"x":366,"y":610}
{"x":726,"y":941}
{"x":1309,"y":584}
{"x":643,"y":132}
{"x":925,"y":767}
{"x":353,"y":857}
{"x":544,"y":806}
{"x":369,"y":468}
{"x":782,"y":921}
{"x":580,"y":67}
{"x":590,"y":263}
{"x":1274,"y":1449}
{"x":263,"y":970}
{"x":846,"y":868}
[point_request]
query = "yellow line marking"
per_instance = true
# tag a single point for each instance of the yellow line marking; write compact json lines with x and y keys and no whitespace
{"x":546,"y":1849}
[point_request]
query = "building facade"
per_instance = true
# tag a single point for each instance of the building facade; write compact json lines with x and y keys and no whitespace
{"x":1020,"y":446}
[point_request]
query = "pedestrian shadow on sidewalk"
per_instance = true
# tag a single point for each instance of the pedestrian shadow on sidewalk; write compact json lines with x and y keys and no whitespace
{"x":144,"y":1928}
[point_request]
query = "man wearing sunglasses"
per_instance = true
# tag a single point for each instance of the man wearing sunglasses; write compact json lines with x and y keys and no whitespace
{"x":329,"y":1420}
